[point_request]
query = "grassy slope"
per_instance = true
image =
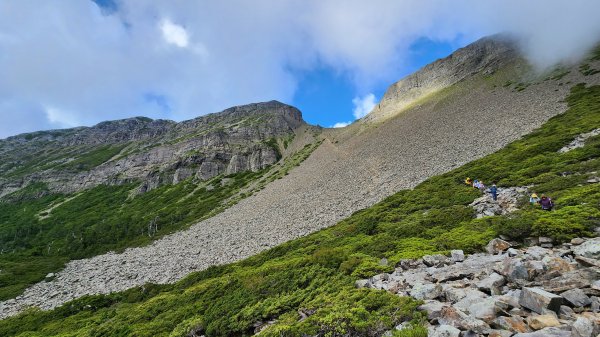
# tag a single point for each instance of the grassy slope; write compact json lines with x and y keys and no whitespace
{"x":314,"y":275}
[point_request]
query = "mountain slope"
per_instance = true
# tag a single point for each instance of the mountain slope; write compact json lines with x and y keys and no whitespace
{"x":353,"y":169}
{"x":75,"y":193}
{"x":306,"y":286}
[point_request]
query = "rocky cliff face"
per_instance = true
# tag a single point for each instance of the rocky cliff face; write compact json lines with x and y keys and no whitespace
{"x":155,"y":152}
{"x":484,"y":56}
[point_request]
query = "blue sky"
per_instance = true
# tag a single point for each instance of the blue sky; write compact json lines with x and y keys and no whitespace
{"x":70,"y":63}
{"x":325,"y":96}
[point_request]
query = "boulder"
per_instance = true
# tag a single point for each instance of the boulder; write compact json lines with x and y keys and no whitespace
{"x":491,"y":284}
{"x":588,"y":262}
{"x":513,"y":252}
{"x":576,"y":297}
{"x":536,"y":299}
{"x":497,"y":246}
{"x":457,"y":255}
{"x":584,"y":327}
{"x":444,"y":331}
{"x":557,"y":265}
{"x":432,"y":308}
{"x":566,"y":312}
{"x":580,"y":278}
{"x":589,"y":249}
{"x":428,"y":291}
{"x":437,"y":260}
{"x":453,"y":294}
{"x":500,"y":333}
{"x":458,"y":319}
{"x":537,"y":253}
{"x":407,"y":264}
{"x":485,"y":309}
{"x":595,"y":306}
{"x":510,"y":299}
{"x":577,"y":241}
{"x":362,"y":284}
{"x":538,"y":322}
{"x":472,"y":296}
{"x":519,"y":271}
{"x":512,"y":323}
{"x":546,"y":332}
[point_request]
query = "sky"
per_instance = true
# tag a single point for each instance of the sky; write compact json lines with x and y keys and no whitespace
{"x":67,"y":63}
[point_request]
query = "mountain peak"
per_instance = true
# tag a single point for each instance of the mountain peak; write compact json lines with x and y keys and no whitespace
{"x":485,"y":55}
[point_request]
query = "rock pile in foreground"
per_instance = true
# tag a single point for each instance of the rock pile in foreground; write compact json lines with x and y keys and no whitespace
{"x":530,"y":292}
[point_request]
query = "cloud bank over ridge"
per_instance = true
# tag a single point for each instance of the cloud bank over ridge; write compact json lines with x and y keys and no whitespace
{"x":68,"y":63}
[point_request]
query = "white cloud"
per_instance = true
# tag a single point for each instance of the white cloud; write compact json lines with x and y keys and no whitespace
{"x":174,"y":33}
{"x":363,"y":105}
{"x":61,"y":118}
{"x":341,"y":124}
{"x":100,"y":65}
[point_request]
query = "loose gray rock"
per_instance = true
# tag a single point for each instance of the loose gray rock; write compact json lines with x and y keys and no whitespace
{"x":580,"y":278}
{"x":497,"y":246}
{"x":538,"y":322}
{"x":589,"y":249}
{"x":436,"y":260}
{"x":457,"y":255}
{"x":576,"y":297}
{"x":584,"y":327}
{"x":547,"y":332}
{"x":456,"y":318}
{"x":485,"y":309}
{"x":444,"y":331}
{"x":566,"y":312}
{"x":538,"y":300}
{"x":512,"y":323}
{"x":595,"y":305}
{"x":500,"y":333}
{"x":426,"y":291}
{"x":433,"y":308}
{"x":492,"y":284}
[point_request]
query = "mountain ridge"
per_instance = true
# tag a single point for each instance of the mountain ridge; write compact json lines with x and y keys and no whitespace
{"x":234,"y":140}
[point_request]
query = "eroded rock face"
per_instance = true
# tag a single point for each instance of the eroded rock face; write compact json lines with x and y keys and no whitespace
{"x":155,"y":152}
{"x":532,"y":291}
{"x":484,"y":56}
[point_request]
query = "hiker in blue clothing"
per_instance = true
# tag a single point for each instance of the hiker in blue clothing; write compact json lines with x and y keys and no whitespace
{"x":494,"y":191}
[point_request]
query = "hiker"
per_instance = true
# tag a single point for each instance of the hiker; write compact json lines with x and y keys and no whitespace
{"x":546,"y":203}
{"x":534,"y":199}
{"x":494,"y":192}
{"x":476,"y":183}
{"x":468,"y":181}
{"x":479,"y":185}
